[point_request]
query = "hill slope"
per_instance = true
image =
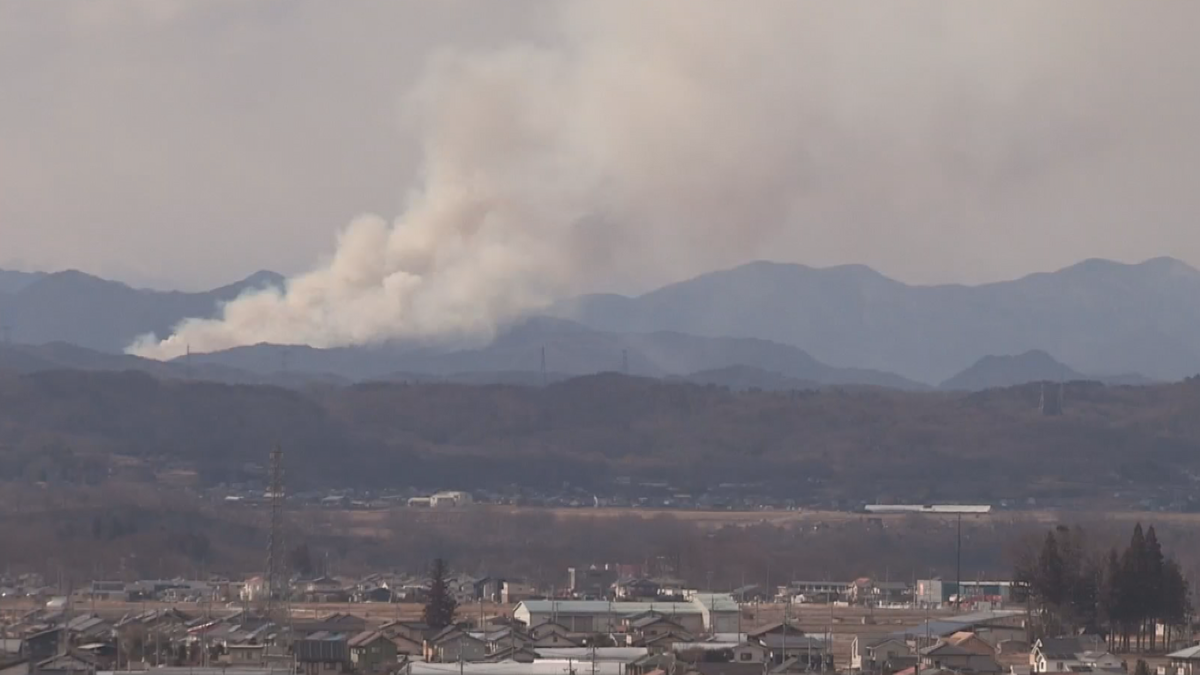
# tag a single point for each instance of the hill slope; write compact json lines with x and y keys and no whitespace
{"x":569,"y":349}
{"x":831,"y":444}
{"x":1098,"y":316}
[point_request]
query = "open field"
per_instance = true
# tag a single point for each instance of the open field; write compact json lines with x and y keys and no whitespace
{"x":374,"y":522}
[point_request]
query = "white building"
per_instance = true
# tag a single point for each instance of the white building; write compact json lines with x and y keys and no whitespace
{"x":442,"y":500}
{"x":702,"y":613}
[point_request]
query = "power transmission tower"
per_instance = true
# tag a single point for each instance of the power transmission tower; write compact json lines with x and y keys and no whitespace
{"x":277,"y":586}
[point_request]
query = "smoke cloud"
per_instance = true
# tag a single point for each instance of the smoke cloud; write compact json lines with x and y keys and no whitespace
{"x":650,"y":139}
{"x":647,"y":140}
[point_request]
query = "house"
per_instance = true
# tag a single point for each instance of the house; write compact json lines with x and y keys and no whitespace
{"x":323,"y":652}
{"x":550,"y":634}
{"x":517,"y":653}
{"x":953,"y":657}
{"x":782,"y":647}
{"x":1084,"y":653}
{"x":371,"y":651}
{"x":506,"y":638}
{"x":245,"y":655}
{"x":338,"y":622}
{"x":717,"y":668}
{"x":373,"y":594}
{"x":325,"y":589}
{"x":406,"y":646}
{"x":591,"y":582}
{"x":45,"y":644}
{"x":512,"y":592}
{"x":993,"y":627}
{"x":865,"y":591}
{"x":254,"y":589}
{"x":411,"y":631}
{"x":1184,"y":662}
{"x":635,"y":589}
{"x":651,"y":664}
{"x":721,"y":651}
{"x":72,"y":663}
{"x":972,"y":643}
{"x":652,"y":624}
{"x":810,"y":591}
{"x":750,"y":593}
{"x":780,"y":628}
{"x":109,"y":590}
{"x":88,"y":628}
{"x":661,"y":644}
{"x":873,"y":654}
{"x":453,"y":644}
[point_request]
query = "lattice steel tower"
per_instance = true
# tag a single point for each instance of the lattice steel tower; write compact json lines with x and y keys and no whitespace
{"x":277,"y":582}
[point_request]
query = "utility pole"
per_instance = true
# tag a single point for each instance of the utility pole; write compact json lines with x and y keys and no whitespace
{"x":958,"y":565}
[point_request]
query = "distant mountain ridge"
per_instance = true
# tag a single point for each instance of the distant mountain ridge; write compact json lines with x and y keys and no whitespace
{"x":11,"y":281}
{"x":1097,"y":316}
{"x":838,"y":325}
{"x":84,"y":310}
{"x":1007,"y":371}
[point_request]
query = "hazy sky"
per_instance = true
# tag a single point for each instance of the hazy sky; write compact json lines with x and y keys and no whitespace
{"x":190,"y":143}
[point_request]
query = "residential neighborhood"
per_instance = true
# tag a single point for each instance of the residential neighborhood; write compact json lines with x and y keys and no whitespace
{"x":602,"y":619}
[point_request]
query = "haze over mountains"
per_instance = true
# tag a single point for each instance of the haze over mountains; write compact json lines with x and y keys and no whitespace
{"x":760,"y":325}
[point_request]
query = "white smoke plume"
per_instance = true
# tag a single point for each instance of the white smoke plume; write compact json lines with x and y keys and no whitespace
{"x":649,"y":139}
{"x":546,"y":168}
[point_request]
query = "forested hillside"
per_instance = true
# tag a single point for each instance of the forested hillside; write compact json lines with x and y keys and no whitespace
{"x":866,"y":444}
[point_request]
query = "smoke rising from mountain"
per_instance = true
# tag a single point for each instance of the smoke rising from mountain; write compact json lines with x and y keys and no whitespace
{"x":649,"y":140}
{"x":545,"y":170}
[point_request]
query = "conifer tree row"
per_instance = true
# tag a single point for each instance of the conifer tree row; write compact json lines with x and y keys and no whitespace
{"x":1122,"y":595}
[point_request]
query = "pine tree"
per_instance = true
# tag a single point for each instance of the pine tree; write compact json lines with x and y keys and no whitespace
{"x":1110,"y":597}
{"x":441,"y":606}
{"x":1050,"y":576}
{"x":1176,"y":606}
{"x":1133,"y":571}
{"x":1154,"y":568}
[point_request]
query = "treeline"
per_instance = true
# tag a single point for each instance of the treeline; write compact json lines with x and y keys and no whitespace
{"x":1123,"y":595}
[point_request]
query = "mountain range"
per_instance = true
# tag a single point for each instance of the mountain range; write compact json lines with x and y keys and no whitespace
{"x":84,"y":310}
{"x":1097,"y":316}
{"x":761,"y":325}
